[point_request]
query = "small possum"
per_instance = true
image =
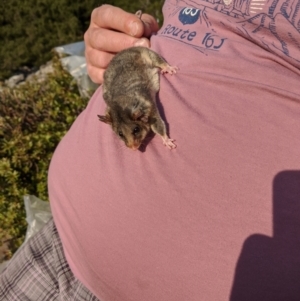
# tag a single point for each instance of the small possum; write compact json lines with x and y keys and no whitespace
{"x":130,"y":84}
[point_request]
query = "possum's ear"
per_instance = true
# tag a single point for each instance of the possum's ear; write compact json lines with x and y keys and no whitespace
{"x":105,"y":119}
{"x":138,"y":114}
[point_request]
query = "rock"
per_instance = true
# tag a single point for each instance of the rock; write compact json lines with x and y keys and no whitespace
{"x":29,"y":75}
{"x":14,"y":80}
{"x":42,"y":73}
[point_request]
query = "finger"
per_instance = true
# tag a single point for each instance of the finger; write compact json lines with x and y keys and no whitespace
{"x":96,"y":58}
{"x":110,"y":41}
{"x":111,"y":17}
{"x":95,"y":74}
{"x":150,"y":25}
{"x":142,"y":42}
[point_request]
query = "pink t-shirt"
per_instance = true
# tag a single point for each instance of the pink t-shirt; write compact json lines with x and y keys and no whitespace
{"x":218,"y":218}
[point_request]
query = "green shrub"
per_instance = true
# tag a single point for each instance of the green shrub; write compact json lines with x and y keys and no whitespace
{"x":29,"y":29}
{"x":33,"y":119}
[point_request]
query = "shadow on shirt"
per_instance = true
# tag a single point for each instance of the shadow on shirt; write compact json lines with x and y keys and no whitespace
{"x":268,"y":268}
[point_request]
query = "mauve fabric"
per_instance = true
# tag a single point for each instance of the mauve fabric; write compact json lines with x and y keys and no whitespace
{"x":218,"y":218}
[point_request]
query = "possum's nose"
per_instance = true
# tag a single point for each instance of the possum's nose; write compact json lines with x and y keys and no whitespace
{"x":134,"y":145}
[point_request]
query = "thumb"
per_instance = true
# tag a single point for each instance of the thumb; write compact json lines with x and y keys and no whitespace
{"x":150,"y":25}
{"x":142,"y":42}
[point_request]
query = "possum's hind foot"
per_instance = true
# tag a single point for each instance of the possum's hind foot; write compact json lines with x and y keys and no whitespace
{"x":169,"y":69}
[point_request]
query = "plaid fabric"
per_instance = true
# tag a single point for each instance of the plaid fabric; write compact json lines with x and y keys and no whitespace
{"x":40,"y":272}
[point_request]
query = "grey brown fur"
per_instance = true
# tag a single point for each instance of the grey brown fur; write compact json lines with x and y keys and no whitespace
{"x":130,"y":84}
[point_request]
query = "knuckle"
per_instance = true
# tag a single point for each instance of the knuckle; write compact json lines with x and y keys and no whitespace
{"x":94,"y":38}
{"x":94,"y":13}
{"x":86,"y":37}
{"x":96,"y":75}
{"x":87,"y":53}
{"x":106,"y":11}
{"x":91,"y":73}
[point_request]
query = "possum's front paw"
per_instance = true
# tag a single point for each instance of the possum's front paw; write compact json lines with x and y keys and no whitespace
{"x":169,"y":69}
{"x":169,"y":143}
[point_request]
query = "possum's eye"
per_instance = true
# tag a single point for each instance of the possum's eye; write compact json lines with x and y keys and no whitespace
{"x":121,"y":134}
{"x":136,"y":130}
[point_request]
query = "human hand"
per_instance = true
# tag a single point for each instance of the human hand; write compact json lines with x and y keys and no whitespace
{"x":112,"y":30}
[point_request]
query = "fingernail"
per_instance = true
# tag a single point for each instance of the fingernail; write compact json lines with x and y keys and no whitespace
{"x":142,"y":42}
{"x":134,"y":28}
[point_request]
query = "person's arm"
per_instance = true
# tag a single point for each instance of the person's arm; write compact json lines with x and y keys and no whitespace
{"x":112,"y":30}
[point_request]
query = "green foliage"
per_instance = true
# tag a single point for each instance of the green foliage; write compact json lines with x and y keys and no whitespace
{"x":33,"y":119}
{"x":29,"y":29}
